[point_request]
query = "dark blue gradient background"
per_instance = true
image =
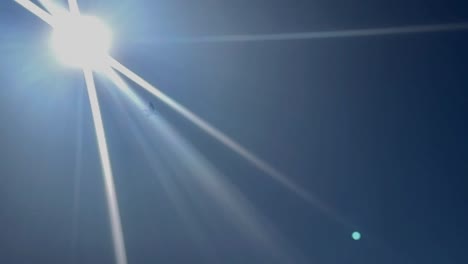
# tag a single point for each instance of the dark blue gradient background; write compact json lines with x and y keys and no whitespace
{"x":375,"y":127}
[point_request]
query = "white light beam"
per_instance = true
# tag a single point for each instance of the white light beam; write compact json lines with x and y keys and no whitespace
{"x":218,"y":135}
{"x":319,"y":34}
{"x":111,"y":196}
{"x":36,"y":10}
{"x":51,"y":7}
{"x":73,"y":5}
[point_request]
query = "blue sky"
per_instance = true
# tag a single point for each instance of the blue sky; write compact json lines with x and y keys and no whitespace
{"x":374,"y":127}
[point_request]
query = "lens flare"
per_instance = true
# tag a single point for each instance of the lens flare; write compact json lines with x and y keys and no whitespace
{"x":111,"y":195}
{"x":356,"y":236}
{"x":81,"y":41}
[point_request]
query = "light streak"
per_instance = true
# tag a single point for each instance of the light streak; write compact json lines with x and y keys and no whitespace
{"x":36,"y":10}
{"x":218,"y":135}
{"x":73,"y":5}
{"x":51,"y":7}
{"x":111,"y":196}
{"x":319,"y":34}
{"x":183,"y":159}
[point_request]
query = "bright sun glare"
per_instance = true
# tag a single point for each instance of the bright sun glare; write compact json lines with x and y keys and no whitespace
{"x":81,"y":41}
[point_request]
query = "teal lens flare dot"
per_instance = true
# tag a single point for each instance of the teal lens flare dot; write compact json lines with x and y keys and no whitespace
{"x":356,"y":236}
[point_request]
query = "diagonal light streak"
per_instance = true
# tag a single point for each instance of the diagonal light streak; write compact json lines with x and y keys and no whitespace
{"x":36,"y":10}
{"x":218,"y":135}
{"x":73,"y":5}
{"x":180,"y":158}
{"x":321,"y":34}
{"x":51,"y":7}
{"x":121,"y":84}
{"x":111,"y":196}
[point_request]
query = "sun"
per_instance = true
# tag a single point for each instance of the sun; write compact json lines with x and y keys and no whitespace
{"x":81,"y":41}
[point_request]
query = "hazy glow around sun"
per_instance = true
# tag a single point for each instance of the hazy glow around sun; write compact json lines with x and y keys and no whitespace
{"x":81,"y":41}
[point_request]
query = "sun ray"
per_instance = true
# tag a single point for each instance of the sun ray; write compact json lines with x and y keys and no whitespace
{"x":220,"y":136}
{"x":73,"y":5}
{"x":111,"y":196}
{"x":317,"y":34}
{"x":36,"y":10}
{"x":178,"y":157}
{"x":51,"y":7}
{"x":122,"y":85}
